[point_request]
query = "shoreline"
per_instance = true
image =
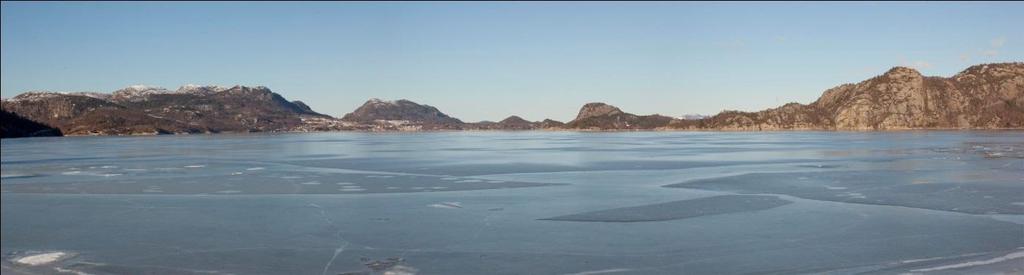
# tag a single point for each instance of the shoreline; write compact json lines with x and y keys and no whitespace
{"x":563,"y":130}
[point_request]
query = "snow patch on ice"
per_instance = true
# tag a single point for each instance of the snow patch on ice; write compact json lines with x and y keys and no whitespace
{"x":41,"y":259}
{"x":447,"y":205}
{"x":72,"y":271}
{"x":13,"y":176}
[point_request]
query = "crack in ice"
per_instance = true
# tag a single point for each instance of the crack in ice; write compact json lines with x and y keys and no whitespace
{"x":343,"y":243}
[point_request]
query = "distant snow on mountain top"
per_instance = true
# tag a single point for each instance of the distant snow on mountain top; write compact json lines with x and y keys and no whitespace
{"x":39,"y":95}
{"x":692,"y":116}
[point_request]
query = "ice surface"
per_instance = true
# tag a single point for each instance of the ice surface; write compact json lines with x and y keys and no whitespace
{"x":679,"y":209}
{"x":1008,"y":257}
{"x":993,"y":195}
{"x":884,"y":203}
{"x":250,"y":183}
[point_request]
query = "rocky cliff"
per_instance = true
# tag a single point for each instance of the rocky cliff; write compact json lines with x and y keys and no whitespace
{"x":989,"y":96}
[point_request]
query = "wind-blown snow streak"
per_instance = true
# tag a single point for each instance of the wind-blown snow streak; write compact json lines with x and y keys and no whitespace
{"x":603,"y":271}
{"x":1007,"y":257}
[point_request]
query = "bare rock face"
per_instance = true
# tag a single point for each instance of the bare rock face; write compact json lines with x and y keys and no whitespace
{"x":989,"y":96}
{"x":600,"y":116}
{"x":595,"y":109}
{"x":152,"y":110}
{"x":983,"y":96}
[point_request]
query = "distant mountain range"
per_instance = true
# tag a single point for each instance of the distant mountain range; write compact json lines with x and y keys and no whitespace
{"x":988,"y":96}
{"x":140,"y":110}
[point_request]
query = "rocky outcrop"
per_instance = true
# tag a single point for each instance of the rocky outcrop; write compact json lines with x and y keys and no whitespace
{"x":511,"y":123}
{"x":402,"y":114}
{"x":983,"y":97}
{"x":597,"y":109}
{"x":600,"y":116}
{"x":792,"y":116}
{"x":150,"y":110}
{"x":15,"y":126}
{"x":517,"y":123}
{"x":551,"y":124}
{"x":989,"y":96}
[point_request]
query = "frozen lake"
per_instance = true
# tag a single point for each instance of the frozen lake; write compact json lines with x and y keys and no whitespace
{"x":516,"y":203}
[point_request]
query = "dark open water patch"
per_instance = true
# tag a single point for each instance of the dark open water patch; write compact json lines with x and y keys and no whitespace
{"x":679,"y":209}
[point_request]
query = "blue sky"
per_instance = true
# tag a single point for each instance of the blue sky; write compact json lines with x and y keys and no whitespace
{"x":485,"y":61}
